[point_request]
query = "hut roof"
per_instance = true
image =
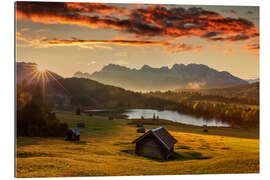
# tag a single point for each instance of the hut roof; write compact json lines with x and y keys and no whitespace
{"x":75,"y":131}
{"x":162,"y":135}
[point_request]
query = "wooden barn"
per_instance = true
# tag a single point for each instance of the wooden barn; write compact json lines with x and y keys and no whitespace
{"x":156,"y":143}
{"x":81,"y":125}
{"x":141,"y":130}
{"x":73,"y":135}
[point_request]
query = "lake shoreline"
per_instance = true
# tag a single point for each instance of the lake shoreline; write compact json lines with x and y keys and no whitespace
{"x":161,"y":122}
{"x":123,"y":114}
{"x":234,"y":131}
{"x":170,"y":115}
{"x":174,"y":116}
{"x":212,"y":130}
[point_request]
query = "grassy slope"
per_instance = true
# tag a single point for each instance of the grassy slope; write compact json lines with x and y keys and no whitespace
{"x":100,"y":151}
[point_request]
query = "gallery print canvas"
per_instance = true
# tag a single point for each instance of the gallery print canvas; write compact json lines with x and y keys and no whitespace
{"x":136,"y":89}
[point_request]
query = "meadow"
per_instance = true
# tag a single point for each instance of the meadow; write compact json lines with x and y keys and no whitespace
{"x":105,"y":149}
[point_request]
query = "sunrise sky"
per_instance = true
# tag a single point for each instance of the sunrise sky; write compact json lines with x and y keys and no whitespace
{"x":71,"y":37}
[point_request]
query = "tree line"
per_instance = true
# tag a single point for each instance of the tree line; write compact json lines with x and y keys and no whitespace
{"x":236,"y":112}
{"x":34,"y":116}
{"x":93,"y":95}
{"x":204,"y":95}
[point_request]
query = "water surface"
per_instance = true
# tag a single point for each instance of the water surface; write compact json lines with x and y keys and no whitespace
{"x":173,"y":116}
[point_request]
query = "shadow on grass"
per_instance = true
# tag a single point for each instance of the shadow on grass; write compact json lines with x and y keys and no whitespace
{"x":31,"y":154}
{"x":183,"y":147}
{"x":188,"y":156}
{"x":183,"y":156}
{"x":80,"y":142}
{"x":225,"y":148}
{"x":27,"y":141}
{"x":121,"y":143}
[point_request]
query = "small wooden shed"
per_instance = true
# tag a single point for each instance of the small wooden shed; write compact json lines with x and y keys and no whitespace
{"x":73,"y":135}
{"x":156,"y":143}
{"x":141,"y":130}
{"x":81,"y":125}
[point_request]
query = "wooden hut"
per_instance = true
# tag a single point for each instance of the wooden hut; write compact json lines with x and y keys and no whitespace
{"x":141,"y":130}
{"x":73,"y":135}
{"x":156,"y":143}
{"x":81,"y":125}
{"x":205,"y":128}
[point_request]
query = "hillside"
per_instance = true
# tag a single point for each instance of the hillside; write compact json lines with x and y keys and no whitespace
{"x":251,"y":81}
{"x":30,"y":73}
{"x":104,"y":145}
{"x":247,"y":91}
{"x":92,"y":94}
{"x":241,"y":94}
{"x":194,"y":76}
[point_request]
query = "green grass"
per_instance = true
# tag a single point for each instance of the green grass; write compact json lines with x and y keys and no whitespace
{"x":252,"y":133}
{"x":96,"y":125}
{"x":104,"y":144}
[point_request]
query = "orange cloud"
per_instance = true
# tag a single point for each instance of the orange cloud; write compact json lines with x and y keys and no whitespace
{"x":152,"y":20}
{"x":181,"y":47}
{"x":74,"y":41}
{"x":171,"y":48}
{"x":213,"y":47}
{"x":253,"y":47}
{"x":97,"y":8}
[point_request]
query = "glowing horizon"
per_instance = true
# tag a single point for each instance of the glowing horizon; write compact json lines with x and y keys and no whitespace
{"x":225,"y":38}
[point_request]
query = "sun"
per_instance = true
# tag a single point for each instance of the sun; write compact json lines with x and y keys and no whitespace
{"x":41,"y":68}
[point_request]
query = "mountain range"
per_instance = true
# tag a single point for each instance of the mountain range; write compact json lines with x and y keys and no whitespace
{"x":84,"y":92}
{"x":93,"y":94}
{"x":251,"y":81}
{"x":191,"y":76}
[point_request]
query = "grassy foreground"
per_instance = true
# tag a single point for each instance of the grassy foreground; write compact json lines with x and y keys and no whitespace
{"x":104,"y":144}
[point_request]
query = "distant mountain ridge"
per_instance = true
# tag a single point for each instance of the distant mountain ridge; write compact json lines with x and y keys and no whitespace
{"x":69,"y":92}
{"x":250,"y":81}
{"x":193,"y":76}
{"x":95,"y":95}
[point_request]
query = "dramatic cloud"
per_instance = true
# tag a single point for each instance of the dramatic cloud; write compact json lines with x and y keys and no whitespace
{"x":172,"y":48}
{"x":210,"y":34}
{"x":147,"y":21}
{"x":74,"y":41}
{"x":97,"y":8}
{"x":27,"y":41}
{"x":181,"y":47}
{"x":231,"y":38}
{"x":253,"y":46}
{"x":213,"y":47}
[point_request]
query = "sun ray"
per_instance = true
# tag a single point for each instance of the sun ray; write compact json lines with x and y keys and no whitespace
{"x":46,"y":76}
{"x":42,"y":76}
{"x":37,"y":79}
{"x":43,"y":82}
{"x":59,"y":83}
{"x":33,"y":76}
{"x":41,"y":68}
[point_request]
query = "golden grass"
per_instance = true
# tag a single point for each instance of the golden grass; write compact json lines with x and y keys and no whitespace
{"x":100,"y":152}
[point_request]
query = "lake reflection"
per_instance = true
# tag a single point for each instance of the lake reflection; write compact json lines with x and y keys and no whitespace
{"x":173,"y":116}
